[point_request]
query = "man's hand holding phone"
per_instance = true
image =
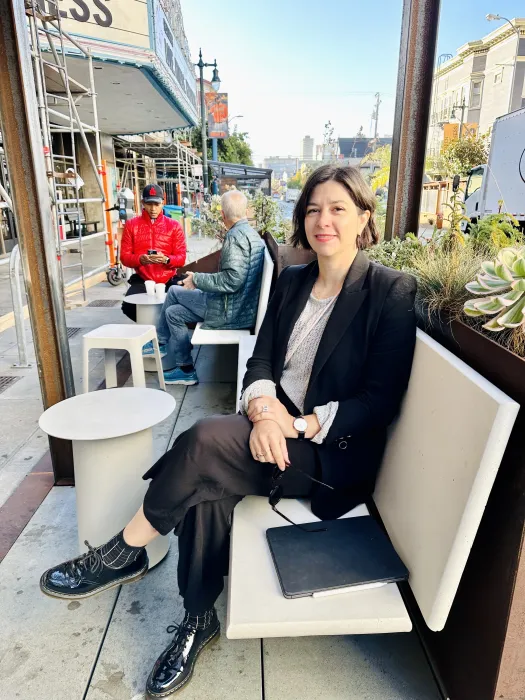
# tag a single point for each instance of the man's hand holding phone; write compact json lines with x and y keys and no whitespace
{"x":153,"y":257}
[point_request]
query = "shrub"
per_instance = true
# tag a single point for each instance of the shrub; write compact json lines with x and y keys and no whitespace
{"x":497,"y":231}
{"x":396,"y":253}
{"x":269,"y":218}
{"x":210,"y":222}
{"x":443,"y":267}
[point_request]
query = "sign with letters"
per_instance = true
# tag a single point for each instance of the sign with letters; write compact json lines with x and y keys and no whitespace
{"x":126,"y":25}
{"x":120,"y":21}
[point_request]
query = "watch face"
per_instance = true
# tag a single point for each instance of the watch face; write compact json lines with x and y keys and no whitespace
{"x":300,"y":425}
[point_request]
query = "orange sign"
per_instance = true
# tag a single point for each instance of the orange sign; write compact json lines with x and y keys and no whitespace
{"x":451,"y":132}
{"x":217,"y":103}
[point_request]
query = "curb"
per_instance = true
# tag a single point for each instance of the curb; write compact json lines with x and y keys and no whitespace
{"x":8,"y":320}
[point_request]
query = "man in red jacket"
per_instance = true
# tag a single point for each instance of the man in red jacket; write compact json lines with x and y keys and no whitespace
{"x":152,"y":231}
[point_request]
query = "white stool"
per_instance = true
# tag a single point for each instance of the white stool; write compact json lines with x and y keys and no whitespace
{"x":112,"y":439}
{"x":132,"y":338}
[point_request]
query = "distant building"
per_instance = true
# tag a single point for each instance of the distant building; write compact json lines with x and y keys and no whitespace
{"x":322,"y":152}
{"x":358,"y":147}
{"x":281,"y":165}
{"x":307,"y":148}
{"x":487,"y":75}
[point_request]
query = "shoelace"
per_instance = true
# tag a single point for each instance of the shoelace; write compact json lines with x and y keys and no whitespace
{"x":183,"y":632}
{"x":92,"y":561}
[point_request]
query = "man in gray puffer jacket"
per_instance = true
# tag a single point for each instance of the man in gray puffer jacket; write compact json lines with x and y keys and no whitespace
{"x":227,"y":299}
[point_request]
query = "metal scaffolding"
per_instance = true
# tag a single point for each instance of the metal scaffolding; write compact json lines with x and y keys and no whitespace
{"x":172,"y":164}
{"x":58,"y":96}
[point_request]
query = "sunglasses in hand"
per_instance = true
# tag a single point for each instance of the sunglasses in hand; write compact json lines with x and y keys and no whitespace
{"x":276,"y":494}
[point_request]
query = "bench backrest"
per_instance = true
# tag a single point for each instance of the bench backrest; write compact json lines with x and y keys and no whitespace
{"x":264,"y":294}
{"x":441,"y":460}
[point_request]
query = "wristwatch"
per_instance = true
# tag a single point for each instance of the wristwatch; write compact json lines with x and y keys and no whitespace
{"x":166,"y":259}
{"x":301,"y":426}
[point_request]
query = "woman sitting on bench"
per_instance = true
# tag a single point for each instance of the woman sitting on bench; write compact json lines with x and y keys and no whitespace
{"x":329,"y":370}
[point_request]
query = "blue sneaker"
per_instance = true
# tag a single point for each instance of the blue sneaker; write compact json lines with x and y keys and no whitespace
{"x":177,"y":376}
{"x":147,"y":350}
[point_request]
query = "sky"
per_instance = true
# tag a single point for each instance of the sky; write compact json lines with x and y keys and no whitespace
{"x":289,"y":66}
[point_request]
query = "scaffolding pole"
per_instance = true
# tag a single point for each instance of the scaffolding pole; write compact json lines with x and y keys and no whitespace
{"x":35,"y":227}
{"x":67,"y":205}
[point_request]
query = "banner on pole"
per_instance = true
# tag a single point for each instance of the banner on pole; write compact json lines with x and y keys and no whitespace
{"x":217,"y":104}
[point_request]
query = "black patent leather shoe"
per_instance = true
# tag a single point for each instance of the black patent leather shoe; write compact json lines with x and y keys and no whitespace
{"x":174,"y":667}
{"x":87,"y":575}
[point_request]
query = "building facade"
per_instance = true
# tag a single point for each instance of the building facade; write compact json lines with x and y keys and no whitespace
{"x":282,"y":165}
{"x":144,"y":73}
{"x":307,"y":148}
{"x":358,"y":147}
{"x":487,"y":77}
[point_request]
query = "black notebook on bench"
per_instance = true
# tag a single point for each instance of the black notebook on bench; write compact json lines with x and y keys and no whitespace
{"x":352,"y":554}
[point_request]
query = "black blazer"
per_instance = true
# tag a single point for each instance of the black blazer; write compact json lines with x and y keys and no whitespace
{"x":363,"y":362}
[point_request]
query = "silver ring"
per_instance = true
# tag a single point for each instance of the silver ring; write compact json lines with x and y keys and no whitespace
{"x":265,"y":409}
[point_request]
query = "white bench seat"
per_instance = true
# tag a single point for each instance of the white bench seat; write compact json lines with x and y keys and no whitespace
{"x":440,"y":463}
{"x":217,"y":336}
{"x":257,"y":607}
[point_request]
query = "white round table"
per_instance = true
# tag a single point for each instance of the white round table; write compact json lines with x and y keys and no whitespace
{"x":148,"y":307}
{"x":112,"y":437}
{"x":148,"y":312}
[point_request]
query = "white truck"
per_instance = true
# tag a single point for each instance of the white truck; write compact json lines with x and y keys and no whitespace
{"x":292,"y":195}
{"x":500,"y":184}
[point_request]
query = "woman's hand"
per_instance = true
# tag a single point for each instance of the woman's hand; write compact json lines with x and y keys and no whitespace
{"x":268,"y":444}
{"x":267,"y":408}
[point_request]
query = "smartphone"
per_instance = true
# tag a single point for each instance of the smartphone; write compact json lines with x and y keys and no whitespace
{"x":152,"y":252}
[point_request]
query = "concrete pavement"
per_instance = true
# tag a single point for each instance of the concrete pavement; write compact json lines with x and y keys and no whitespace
{"x":102,"y":648}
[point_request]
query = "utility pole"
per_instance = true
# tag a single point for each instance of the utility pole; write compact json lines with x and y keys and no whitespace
{"x":375,"y":114}
{"x":34,"y":224}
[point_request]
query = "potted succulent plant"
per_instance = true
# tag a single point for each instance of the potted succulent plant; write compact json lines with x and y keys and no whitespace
{"x":475,"y":306}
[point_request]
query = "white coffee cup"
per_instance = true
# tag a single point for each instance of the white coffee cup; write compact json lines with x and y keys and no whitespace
{"x":160,"y":291}
{"x":150,"y":287}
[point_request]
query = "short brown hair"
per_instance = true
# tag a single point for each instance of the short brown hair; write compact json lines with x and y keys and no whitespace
{"x":360,"y":194}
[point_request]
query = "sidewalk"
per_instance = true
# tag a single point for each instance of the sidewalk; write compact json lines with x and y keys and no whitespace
{"x":21,"y":442}
{"x":94,"y":257}
{"x":102,"y":648}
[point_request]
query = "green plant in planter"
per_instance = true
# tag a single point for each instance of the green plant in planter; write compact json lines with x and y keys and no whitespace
{"x":268,"y":217}
{"x":443,"y":267}
{"x":210,"y":222}
{"x":497,"y":231}
{"x":397,"y":253}
{"x":456,"y":214}
{"x":501,"y":286}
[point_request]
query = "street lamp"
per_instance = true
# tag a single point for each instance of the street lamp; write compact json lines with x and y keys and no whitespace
{"x":216,"y":83}
{"x":492,"y":18}
{"x":462,"y":107}
{"x":237,"y":116}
